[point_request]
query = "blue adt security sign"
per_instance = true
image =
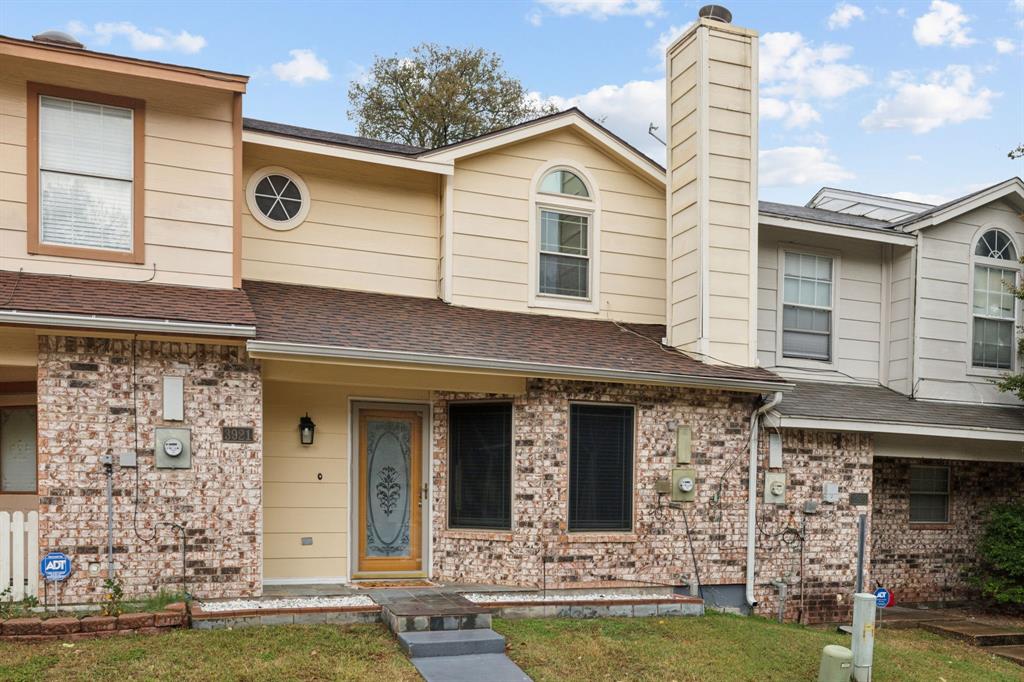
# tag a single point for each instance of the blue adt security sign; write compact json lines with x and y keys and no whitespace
{"x":883,"y":598}
{"x":55,"y":566}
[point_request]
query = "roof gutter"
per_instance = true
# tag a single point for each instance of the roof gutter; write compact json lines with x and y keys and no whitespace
{"x":125,"y":324}
{"x":905,"y":428}
{"x":875,"y":234}
{"x":272,"y":349}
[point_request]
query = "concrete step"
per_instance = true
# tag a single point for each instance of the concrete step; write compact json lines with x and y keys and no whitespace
{"x":975,"y":633}
{"x":473,"y":668}
{"x":1011,"y":653}
{"x":451,"y":643}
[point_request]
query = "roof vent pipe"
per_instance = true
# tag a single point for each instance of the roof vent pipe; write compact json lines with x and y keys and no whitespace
{"x":715,"y":12}
{"x":59,"y":38}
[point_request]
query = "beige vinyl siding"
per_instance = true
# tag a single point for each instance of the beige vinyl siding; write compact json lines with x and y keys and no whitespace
{"x":295,"y":503}
{"x":856,"y":313}
{"x":369,"y":227}
{"x":684,"y":229}
{"x":491,"y":218}
{"x":711,"y":91}
{"x":901,"y":318}
{"x":944,"y":311}
{"x":188,"y":178}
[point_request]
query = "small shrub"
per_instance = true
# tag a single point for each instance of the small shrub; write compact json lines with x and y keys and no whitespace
{"x":113,"y":603}
{"x":12,"y":609}
{"x":1000,"y":572}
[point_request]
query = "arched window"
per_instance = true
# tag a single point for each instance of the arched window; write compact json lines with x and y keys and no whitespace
{"x":564,"y":211}
{"x":993,"y":305}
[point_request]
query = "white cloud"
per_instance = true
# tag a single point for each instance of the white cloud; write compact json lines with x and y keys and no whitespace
{"x":789,"y":65}
{"x":947,"y":96}
{"x":535,"y":18}
{"x":794,"y":166}
{"x":665,"y":39}
{"x":103,"y":33}
{"x":915,"y":157}
{"x":843,"y":15}
{"x":793,"y":114}
{"x":933,"y":199}
{"x":944,"y":24}
{"x":304,"y":66}
{"x":602,"y":9}
{"x":627,"y":110}
{"x":1004,"y":45}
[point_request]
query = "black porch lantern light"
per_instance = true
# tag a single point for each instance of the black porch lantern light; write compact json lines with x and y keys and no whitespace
{"x":306,"y":429}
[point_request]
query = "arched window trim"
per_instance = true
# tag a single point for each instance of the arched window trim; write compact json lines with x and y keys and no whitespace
{"x":585,"y":206}
{"x":1005,"y":264}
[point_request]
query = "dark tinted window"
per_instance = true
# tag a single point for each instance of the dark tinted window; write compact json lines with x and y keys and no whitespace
{"x":600,"y":468}
{"x":480,"y":465}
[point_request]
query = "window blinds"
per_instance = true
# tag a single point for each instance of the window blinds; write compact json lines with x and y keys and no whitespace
{"x":85,"y":166}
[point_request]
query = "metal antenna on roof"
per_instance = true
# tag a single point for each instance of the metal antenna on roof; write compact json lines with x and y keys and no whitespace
{"x":650,"y":131}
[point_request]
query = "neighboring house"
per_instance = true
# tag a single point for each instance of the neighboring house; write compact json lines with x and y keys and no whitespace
{"x":326,"y":358}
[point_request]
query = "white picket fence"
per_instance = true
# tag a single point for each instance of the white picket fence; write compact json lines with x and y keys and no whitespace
{"x":19,"y":554}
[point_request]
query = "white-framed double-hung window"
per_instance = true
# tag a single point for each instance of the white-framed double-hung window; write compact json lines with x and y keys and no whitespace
{"x":564,"y":240}
{"x":993,"y":305}
{"x":807,"y":305}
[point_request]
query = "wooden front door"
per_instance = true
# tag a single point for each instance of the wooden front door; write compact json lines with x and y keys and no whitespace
{"x":390,"y":495}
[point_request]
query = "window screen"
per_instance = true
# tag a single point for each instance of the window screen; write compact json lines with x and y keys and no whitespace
{"x":564,"y":254}
{"x":85,"y":174}
{"x":480,"y":463}
{"x":807,"y":307}
{"x":17,"y":449}
{"x":600,"y":468}
{"x":929,"y":494}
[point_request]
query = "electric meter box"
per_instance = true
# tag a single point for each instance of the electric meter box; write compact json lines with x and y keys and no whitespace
{"x":684,"y":484}
{"x":173,"y":448}
{"x":774,"y":487}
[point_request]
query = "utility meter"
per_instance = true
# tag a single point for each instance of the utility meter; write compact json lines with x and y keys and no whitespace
{"x":774,"y":487}
{"x":173,"y":448}
{"x":684,"y":484}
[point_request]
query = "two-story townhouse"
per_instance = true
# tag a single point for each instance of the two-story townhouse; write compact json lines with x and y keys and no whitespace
{"x":536,"y":357}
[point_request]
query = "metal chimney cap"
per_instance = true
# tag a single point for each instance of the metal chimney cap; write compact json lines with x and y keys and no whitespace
{"x":715,"y":12}
{"x":58,"y":38}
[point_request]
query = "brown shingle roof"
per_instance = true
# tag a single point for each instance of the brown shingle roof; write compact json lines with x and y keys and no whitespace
{"x":857,"y":402}
{"x":30,"y":292}
{"x":289,"y":313}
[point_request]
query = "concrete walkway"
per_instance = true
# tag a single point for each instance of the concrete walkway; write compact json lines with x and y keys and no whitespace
{"x":470,"y":668}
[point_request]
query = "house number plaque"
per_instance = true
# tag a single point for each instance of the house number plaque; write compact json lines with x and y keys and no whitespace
{"x":237,"y":434}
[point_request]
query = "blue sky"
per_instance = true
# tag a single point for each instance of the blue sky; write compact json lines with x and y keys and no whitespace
{"x":919,"y":99}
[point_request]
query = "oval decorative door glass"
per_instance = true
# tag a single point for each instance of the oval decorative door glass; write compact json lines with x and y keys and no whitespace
{"x":388,"y":492}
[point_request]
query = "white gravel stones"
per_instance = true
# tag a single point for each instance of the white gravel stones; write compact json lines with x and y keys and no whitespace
{"x":559,"y":597}
{"x":292,"y":603}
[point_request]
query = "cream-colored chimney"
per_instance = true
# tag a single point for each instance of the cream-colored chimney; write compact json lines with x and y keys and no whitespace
{"x":711,"y":77}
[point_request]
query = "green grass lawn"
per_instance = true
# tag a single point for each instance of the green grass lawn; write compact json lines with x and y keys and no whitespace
{"x":728,"y":648}
{"x":716,"y":647}
{"x":287,"y":652}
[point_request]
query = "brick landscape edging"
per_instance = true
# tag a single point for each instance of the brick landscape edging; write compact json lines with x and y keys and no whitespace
{"x":90,"y":627}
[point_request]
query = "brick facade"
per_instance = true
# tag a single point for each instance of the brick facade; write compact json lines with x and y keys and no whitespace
{"x":87,"y":409}
{"x":928,"y":563}
{"x":538,"y":549}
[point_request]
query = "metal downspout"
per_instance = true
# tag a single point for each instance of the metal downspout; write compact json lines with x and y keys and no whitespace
{"x":752,"y":493}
